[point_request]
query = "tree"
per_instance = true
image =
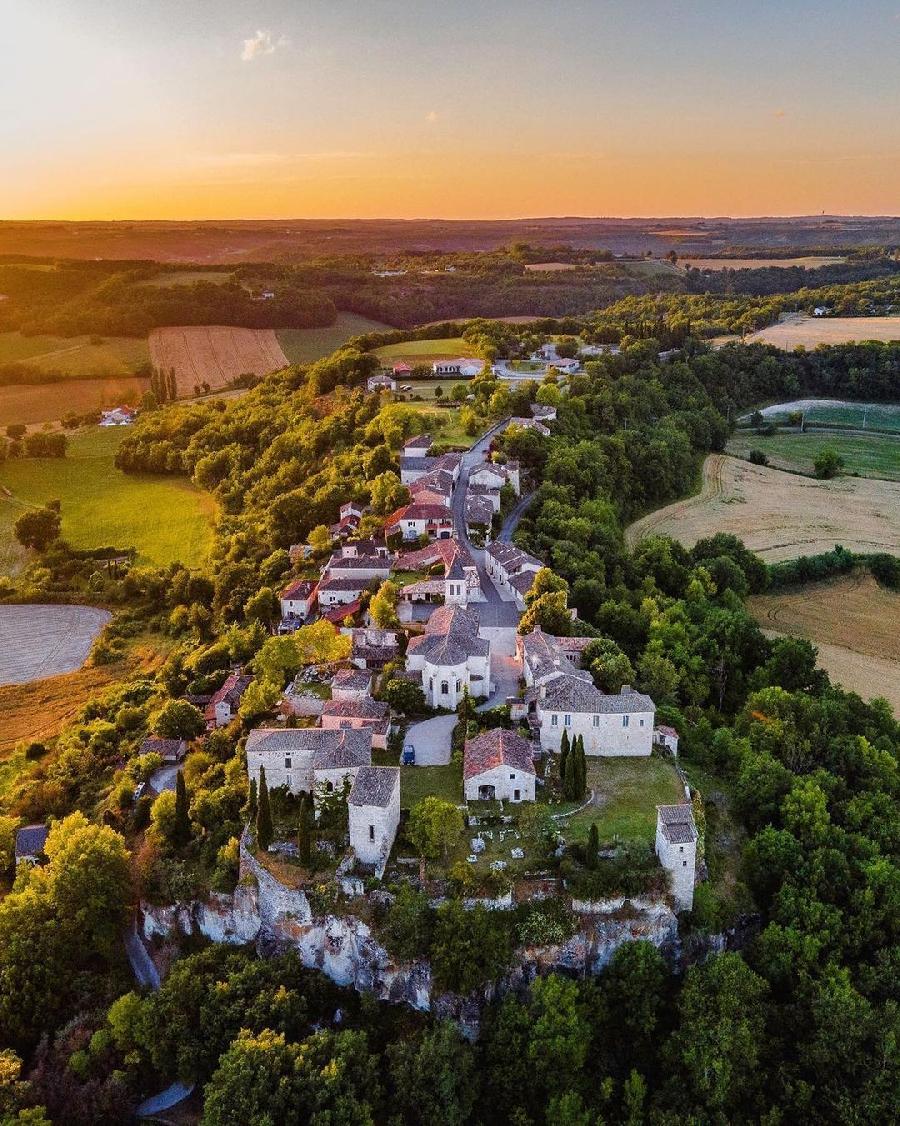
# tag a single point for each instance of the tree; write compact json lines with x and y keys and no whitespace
{"x":560,"y":1036}
{"x":434,"y":827}
{"x":304,"y":836}
{"x":383,"y":606}
{"x":592,"y":848}
{"x":182,"y":826}
{"x":178,"y":719}
{"x":264,"y":828}
{"x":8,"y":827}
{"x":387,"y":493}
{"x":434,"y":1076}
{"x":319,"y":538}
{"x":409,"y":924}
{"x":570,"y":781}
{"x":38,"y":528}
{"x":469,"y":948}
{"x":828,"y":464}
{"x":564,"y":750}
{"x":404,"y":696}
{"x":263,"y":607}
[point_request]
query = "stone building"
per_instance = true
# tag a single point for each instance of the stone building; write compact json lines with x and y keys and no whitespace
{"x":304,"y":758}
{"x":374,"y":808}
{"x":676,"y":847}
{"x":619,"y":723}
{"x":498,"y":765}
{"x":451,"y":657}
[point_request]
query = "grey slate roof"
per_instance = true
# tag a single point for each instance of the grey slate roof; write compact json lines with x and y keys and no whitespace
{"x":30,"y":841}
{"x":511,"y":558}
{"x":479,"y":509}
{"x":677,"y":823}
{"x":170,"y":750}
{"x":363,"y":707}
{"x":352,"y":680}
{"x":349,"y":749}
{"x":375,"y":785}
{"x":450,"y":638}
{"x":570,"y":693}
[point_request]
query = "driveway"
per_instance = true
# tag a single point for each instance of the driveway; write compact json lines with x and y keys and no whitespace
{"x":506,"y":668}
{"x":164,"y":778}
{"x":431,"y":739}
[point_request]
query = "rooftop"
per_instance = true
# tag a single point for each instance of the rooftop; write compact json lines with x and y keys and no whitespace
{"x":359,"y":708}
{"x":677,"y":823}
{"x":352,"y":680}
{"x":375,"y":785}
{"x":570,"y":693}
{"x":30,"y":841}
{"x":299,"y":588}
{"x":497,"y":748}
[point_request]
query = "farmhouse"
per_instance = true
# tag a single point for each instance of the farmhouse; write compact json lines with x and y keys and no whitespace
{"x":466,"y":368}
{"x":353,"y":564}
{"x":495,"y":476}
{"x":417,"y":446}
{"x":666,"y":737}
{"x":297,"y":601}
{"x":676,"y":847}
{"x":414,"y":467}
{"x":498,"y":766}
{"x":543,"y":657}
{"x":359,"y":714}
{"x":401,"y":371}
{"x":451,"y":657}
{"x":612,"y":724}
{"x":303,"y":758}
{"x":433,"y":488}
{"x":566,"y":366}
{"x":512,"y":569}
{"x":416,"y":519}
{"x":340,"y":591}
{"x":373,"y":648}
{"x":381,"y":382}
{"x":374,"y":809}
{"x":30,"y":842}
{"x":223,"y":705}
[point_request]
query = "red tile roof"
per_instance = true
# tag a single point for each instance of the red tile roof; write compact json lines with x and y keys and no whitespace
{"x":497,"y":747}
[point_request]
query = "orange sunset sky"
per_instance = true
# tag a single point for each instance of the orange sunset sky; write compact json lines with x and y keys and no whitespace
{"x":457,"y":109}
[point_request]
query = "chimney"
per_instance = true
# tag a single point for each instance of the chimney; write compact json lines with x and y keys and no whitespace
{"x":625,"y":690}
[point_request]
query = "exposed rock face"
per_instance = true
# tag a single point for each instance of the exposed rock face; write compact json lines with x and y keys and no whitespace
{"x":264,"y":911}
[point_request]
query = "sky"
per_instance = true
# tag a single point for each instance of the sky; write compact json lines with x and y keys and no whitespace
{"x":141,"y":109}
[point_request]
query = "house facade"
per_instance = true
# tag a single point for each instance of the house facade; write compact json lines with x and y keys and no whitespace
{"x":359,"y":714}
{"x":676,"y":847}
{"x":298,"y":600}
{"x":417,"y":519}
{"x":511,"y":569}
{"x":303,"y":758}
{"x":498,"y":765}
{"x":374,"y":814}
{"x":612,"y":724}
{"x":223,"y":705}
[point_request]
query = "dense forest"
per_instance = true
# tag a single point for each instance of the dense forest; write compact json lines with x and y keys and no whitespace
{"x":802,"y":828}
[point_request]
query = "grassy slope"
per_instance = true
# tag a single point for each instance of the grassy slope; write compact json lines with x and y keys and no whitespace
{"x":627,"y":792}
{"x":165,"y":518}
{"x":48,"y":402}
{"x":303,"y":345}
{"x":871,"y":456}
{"x":75,"y":355}
{"x":425,"y":351}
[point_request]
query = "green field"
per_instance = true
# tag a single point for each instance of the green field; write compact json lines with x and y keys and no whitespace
{"x":873,"y":455}
{"x":166,"y":519}
{"x":303,"y":345}
{"x":824,"y":412}
{"x":446,"y":427}
{"x":627,"y":792}
{"x":426,"y":351}
{"x":189,"y":277}
{"x":76,"y":356}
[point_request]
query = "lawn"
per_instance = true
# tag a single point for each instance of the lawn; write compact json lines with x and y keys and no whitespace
{"x":418,"y":782}
{"x":303,"y":345}
{"x":165,"y":518}
{"x":626,"y":794}
{"x":426,"y":351}
{"x":76,"y":356}
{"x":874,"y":455}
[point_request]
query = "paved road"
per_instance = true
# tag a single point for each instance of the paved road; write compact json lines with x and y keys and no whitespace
{"x":506,"y":668}
{"x":142,"y":965}
{"x":431,"y":739}
{"x":513,"y":517}
{"x":165,"y":1100}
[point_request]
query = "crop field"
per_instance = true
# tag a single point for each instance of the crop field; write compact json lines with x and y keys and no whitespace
{"x":76,"y":355}
{"x":836,"y":412}
{"x":853,"y":622}
{"x":166,"y":519}
{"x":426,"y":351}
{"x":781,"y":515}
{"x":809,"y":263}
{"x":303,"y":345}
{"x":868,"y":455}
{"x":48,"y":402}
{"x":214,"y":354}
{"x":41,"y":641}
{"x":800,"y":331}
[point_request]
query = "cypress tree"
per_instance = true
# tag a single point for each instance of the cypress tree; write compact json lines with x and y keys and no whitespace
{"x":251,"y":801}
{"x":570,"y":783}
{"x":593,"y":846}
{"x":182,"y":830}
{"x":582,"y":768}
{"x":304,"y":843}
{"x":264,"y":829}
{"x":563,"y":757}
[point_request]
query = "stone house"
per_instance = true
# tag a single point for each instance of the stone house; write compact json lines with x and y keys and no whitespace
{"x":612,"y":724}
{"x":171,"y":751}
{"x":373,"y":648}
{"x":451,"y":657}
{"x":498,"y":765}
{"x":359,"y":714}
{"x":420,"y":519}
{"x":493,"y":475}
{"x":351,"y":684}
{"x":412,"y":467}
{"x":223,"y":705}
{"x":297,"y":601}
{"x":666,"y":737}
{"x":511,"y":569}
{"x":374,"y":809}
{"x":304,"y":758}
{"x":676,"y":847}
{"x":340,"y":591}
{"x":381,"y":382}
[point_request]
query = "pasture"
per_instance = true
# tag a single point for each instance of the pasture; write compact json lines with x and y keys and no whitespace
{"x":426,"y":351}
{"x":76,"y":356}
{"x":836,"y":412}
{"x":801,"y":331}
{"x":872,"y":455}
{"x":214,"y":354}
{"x":167,"y":519}
{"x":781,"y":515}
{"x":40,"y":641}
{"x":811,"y":262}
{"x":35,"y":404}
{"x":853,"y":622}
{"x":304,"y":345}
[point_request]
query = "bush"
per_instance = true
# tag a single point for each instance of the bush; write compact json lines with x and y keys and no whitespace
{"x":757,"y":457}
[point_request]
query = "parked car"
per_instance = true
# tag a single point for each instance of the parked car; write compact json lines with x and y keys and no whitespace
{"x":408,"y":758}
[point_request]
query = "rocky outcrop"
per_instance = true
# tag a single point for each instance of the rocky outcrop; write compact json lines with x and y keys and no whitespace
{"x":276,"y":918}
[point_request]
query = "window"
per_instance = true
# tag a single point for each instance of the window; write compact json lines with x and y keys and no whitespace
{"x":512,"y":777}
{"x":431,"y":684}
{"x":642,"y":723}
{"x":445,"y":688}
{"x":684,"y":864}
{"x":554,"y":719}
{"x":371,"y":832}
{"x":596,"y":721}
{"x":459,"y":686}
{"x":568,"y":721}
{"x":517,"y":795}
{"x":681,"y":848}
{"x":625,"y":719}
{"x":287,"y":762}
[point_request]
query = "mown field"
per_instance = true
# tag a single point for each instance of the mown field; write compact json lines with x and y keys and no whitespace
{"x":800,"y":331}
{"x":854,"y":623}
{"x":426,"y":351}
{"x":166,"y":519}
{"x":76,"y":356}
{"x":836,"y":412}
{"x":875,"y":455}
{"x":303,"y":345}
{"x":626,"y":794}
{"x":40,"y":641}
{"x":214,"y":354}
{"x":48,"y":402}
{"x":781,"y":515}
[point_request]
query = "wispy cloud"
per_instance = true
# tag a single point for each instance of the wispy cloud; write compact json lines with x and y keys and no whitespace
{"x":262,"y":43}
{"x":432,"y":116}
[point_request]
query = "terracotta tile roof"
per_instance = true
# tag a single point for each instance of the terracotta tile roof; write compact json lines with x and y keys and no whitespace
{"x":497,"y":748}
{"x":300,"y":589}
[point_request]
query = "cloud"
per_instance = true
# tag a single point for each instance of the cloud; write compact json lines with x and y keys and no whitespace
{"x":262,"y":43}
{"x":431,"y":116}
